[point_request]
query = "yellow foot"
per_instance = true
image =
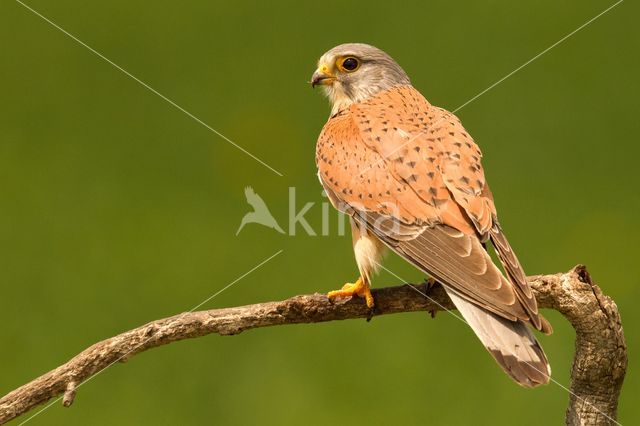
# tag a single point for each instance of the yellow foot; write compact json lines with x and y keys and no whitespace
{"x":359,"y":288}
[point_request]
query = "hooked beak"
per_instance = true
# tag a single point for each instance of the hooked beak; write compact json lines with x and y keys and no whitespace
{"x":322,"y":76}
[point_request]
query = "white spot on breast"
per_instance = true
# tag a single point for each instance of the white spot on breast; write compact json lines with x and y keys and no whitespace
{"x":403,"y":134}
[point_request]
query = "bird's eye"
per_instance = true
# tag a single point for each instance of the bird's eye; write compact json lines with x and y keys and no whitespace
{"x":349,"y":64}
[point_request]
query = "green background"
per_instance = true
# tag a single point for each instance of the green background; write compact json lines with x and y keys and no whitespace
{"x":117,"y":209}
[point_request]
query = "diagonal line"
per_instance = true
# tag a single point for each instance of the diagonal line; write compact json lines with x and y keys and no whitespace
{"x":146,"y":86}
{"x":464,"y":321}
{"x":236,"y":280}
{"x":386,"y":157}
{"x":537,"y":56}
{"x":432,"y":300}
{"x":46,"y":407}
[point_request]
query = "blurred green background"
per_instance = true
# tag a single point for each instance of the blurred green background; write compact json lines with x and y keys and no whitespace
{"x":117,"y":209}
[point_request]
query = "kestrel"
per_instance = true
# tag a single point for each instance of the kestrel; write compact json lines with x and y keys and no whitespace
{"x":409,"y":177}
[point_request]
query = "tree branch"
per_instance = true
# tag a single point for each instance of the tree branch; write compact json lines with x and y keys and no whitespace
{"x":596,"y":379}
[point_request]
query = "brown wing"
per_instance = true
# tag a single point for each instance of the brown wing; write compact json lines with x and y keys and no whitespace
{"x":395,"y":158}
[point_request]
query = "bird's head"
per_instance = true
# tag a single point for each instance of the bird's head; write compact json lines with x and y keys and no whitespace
{"x":354,"y":71}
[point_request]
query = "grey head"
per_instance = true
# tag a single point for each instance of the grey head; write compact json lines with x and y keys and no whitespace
{"x":352,"y":72}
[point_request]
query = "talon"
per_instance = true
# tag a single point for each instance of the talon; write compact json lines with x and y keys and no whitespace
{"x":431,"y":282}
{"x":360,"y":288}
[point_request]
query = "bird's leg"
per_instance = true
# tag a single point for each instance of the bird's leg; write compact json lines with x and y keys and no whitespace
{"x":360,"y":288}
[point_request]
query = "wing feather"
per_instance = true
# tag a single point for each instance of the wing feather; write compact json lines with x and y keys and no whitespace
{"x":412,"y":174}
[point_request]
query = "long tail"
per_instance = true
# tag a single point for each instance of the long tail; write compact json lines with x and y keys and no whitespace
{"x":511,"y":343}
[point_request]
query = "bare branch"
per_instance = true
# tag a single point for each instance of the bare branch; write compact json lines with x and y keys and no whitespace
{"x":596,"y":379}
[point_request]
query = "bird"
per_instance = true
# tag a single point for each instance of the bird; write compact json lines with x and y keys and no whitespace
{"x":409,"y":177}
{"x":260,"y":213}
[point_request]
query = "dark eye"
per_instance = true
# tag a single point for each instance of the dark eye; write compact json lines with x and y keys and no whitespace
{"x":350,"y":64}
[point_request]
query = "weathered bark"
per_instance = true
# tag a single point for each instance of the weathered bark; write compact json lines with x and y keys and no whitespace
{"x":600,"y":360}
{"x":598,"y":371}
